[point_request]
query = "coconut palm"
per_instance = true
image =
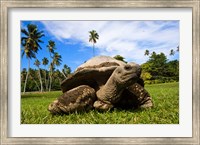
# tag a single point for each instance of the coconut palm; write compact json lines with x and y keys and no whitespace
{"x":57,"y":75}
{"x":45,"y":62}
{"x":37,"y":63}
{"x":51,"y":68}
{"x":30,"y":44}
{"x":56,"y":61}
{"x":32,"y":77}
{"x":23,"y":74}
{"x":172,"y":52}
{"x":146,"y":52}
{"x":93,"y":38}
{"x":51,"y":48}
{"x":66,"y":70}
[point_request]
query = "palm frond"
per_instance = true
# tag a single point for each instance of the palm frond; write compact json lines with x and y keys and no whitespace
{"x":22,"y":54}
{"x":40,"y":41}
{"x":24,"y":32}
{"x":31,"y":42}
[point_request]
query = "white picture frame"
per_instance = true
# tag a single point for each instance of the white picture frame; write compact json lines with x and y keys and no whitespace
{"x":6,"y":5}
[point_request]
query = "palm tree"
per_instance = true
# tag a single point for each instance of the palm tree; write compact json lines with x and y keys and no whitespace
{"x":93,"y":38}
{"x":172,"y":52}
{"x":57,"y":75}
{"x":51,"y":68}
{"x":146,"y":52}
{"x":51,"y":47}
{"x":177,"y":48}
{"x":23,"y":74}
{"x":37,"y":63}
{"x":56,"y":61}
{"x":45,"y":62}
{"x":66,"y":70}
{"x":32,"y":77}
{"x":30,"y":43}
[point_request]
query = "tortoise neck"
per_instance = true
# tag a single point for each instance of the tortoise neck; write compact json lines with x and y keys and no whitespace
{"x":110,"y":92}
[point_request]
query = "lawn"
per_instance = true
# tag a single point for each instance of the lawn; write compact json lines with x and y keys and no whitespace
{"x":165,"y":111}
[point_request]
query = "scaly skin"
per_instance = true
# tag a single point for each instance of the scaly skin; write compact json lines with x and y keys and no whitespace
{"x":121,"y":89}
{"x":110,"y":93}
{"x":78,"y":99}
{"x":133,"y":97}
{"x":143,"y":97}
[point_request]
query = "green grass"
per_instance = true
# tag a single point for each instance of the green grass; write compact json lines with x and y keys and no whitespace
{"x":165,"y":110}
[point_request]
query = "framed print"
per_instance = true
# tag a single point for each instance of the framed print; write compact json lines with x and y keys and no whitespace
{"x":90,"y":44}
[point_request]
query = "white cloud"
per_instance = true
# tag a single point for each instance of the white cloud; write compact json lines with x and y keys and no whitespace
{"x":127,"y":38}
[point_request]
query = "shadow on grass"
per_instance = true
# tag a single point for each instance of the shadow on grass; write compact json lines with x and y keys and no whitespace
{"x":138,"y":110}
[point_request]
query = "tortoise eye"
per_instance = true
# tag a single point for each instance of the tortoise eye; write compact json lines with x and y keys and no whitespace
{"x":127,"y":67}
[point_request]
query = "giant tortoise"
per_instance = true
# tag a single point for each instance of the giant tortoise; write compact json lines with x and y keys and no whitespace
{"x":102,"y":83}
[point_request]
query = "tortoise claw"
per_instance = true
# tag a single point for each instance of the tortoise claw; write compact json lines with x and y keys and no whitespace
{"x":99,"y":105}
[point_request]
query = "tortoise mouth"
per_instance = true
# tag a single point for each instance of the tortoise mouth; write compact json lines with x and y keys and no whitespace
{"x":130,"y":77}
{"x":127,"y":74}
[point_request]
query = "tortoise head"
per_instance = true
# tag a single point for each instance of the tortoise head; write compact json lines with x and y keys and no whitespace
{"x":127,"y":74}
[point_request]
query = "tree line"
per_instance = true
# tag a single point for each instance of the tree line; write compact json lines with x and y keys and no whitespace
{"x":39,"y":80}
{"x":49,"y":77}
{"x":156,"y":70}
{"x":30,"y":42}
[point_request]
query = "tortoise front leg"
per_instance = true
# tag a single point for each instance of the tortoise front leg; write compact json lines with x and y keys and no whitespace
{"x":78,"y":99}
{"x":100,"y":105}
{"x":135,"y":96}
{"x":144,"y":100}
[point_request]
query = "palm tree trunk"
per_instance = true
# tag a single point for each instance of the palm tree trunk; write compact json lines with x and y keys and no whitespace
{"x":64,"y":74}
{"x":40,"y":79}
{"x":26,"y":76}
{"x":45,"y":79}
{"x":48,"y":80}
{"x":50,"y":71}
{"x":50,"y":83}
{"x":35,"y":82}
{"x":50,"y":77}
{"x":60,"y":80}
{"x":93,"y":50}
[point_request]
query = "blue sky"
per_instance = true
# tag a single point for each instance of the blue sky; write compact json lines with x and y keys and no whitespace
{"x":129,"y":39}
